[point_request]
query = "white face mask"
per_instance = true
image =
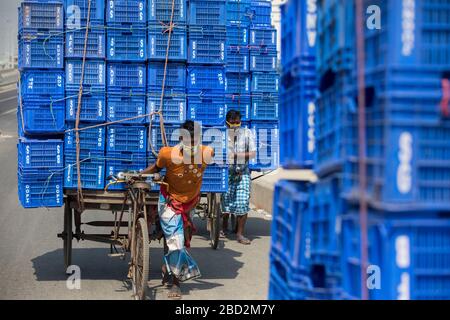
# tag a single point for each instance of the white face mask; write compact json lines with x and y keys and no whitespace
{"x":189,"y":150}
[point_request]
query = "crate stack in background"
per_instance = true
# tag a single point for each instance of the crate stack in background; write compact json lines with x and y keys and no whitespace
{"x":41,"y":110}
{"x":80,"y":20}
{"x":407,"y":138}
{"x":263,"y":66}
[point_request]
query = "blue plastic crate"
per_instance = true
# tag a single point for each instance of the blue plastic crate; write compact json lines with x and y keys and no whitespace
{"x":208,"y":109}
{"x":238,"y":83}
{"x":92,"y":168}
{"x":120,"y":107}
{"x":120,"y":162}
{"x":123,"y":138}
{"x":158,"y":37}
{"x":239,"y":103}
{"x":267,"y":145}
{"x":237,"y":60}
{"x":173,"y":108}
{"x":265,"y":82}
{"x":40,"y":188}
{"x":40,"y":154}
{"x":263,"y":37}
{"x":207,"y":44}
{"x":265,"y":107}
{"x":126,"y":11}
{"x":161,"y":11}
{"x":297,"y":127}
{"x":93,"y":107}
{"x":263,"y":59}
{"x":239,"y":12}
{"x":127,"y":78}
{"x":237,"y":35}
{"x":291,"y":228}
{"x":215,"y":179}
{"x":41,"y":117}
{"x":412,"y":253}
{"x":95,"y":46}
{"x":80,"y":7}
{"x":155,"y":142}
{"x":207,"y":12}
{"x":93,"y":139}
{"x":39,"y":16}
{"x":206,"y":79}
{"x":261,"y":13}
{"x":127,"y":43}
{"x":41,"y":51}
{"x":175,"y":77}
{"x":42,"y":84}
{"x":301,"y":70}
{"x":94,"y":75}
{"x":298,"y":37}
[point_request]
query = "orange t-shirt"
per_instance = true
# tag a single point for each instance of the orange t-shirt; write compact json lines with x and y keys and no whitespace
{"x":185,"y":180}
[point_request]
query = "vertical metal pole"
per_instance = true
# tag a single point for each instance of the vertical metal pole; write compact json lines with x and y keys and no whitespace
{"x":362,"y":144}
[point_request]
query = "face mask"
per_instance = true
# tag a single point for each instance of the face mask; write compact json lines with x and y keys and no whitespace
{"x":234,"y":125}
{"x":189,"y":150}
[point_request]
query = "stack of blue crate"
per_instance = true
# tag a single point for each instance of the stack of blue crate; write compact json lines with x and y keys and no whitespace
{"x":263,"y":65}
{"x":126,"y":147}
{"x":41,"y":111}
{"x":80,"y":20}
{"x":408,"y":134}
{"x":206,"y":81}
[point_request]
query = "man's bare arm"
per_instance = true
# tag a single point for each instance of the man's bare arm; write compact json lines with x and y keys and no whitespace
{"x":152,"y":169}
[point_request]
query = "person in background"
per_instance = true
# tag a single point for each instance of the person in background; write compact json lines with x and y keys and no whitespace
{"x":185,"y":165}
{"x":241,"y":148}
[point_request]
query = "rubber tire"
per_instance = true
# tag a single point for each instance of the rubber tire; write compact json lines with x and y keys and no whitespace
{"x":142,"y":227}
{"x":67,"y":240}
{"x":216,"y":217}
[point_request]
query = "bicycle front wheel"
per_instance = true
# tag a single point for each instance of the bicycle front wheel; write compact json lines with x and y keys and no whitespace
{"x":141,"y":260}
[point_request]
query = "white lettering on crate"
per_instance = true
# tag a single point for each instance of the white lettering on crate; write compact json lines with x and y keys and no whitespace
{"x":404,"y":171}
{"x":311,"y":22}
{"x":311,"y":127}
{"x":408,"y":26}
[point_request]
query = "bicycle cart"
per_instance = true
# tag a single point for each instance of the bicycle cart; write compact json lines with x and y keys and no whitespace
{"x":134,"y":225}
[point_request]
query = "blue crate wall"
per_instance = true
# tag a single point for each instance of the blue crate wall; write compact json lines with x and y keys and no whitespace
{"x":126,"y":12}
{"x":40,"y":51}
{"x":238,"y":83}
{"x":95,"y":45}
{"x":208,"y":109}
{"x":267,"y":140}
{"x":40,"y":154}
{"x":263,"y":37}
{"x":175,"y":79}
{"x":173,"y":107}
{"x":263,"y":59}
{"x":93,"y":107}
{"x":157,"y":43}
{"x":122,"y":106}
{"x":237,"y":35}
{"x":40,"y":188}
{"x":127,"y":78}
{"x":42,"y":84}
{"x":127,"y":43}
{"x":411,"y":252}
{"x":161,"y":11}
{"x":215,"y":179}
{"x":41,"y":117}
{"x":37,"y":16}
{"x":263,"y":82}
{"x":212,"y":12}
{"x":238,"y":59}
{"x":93,"y":139}
{"x":207,"y":44}
{"x":120,"y":162}
{"x":261,"y":13}
{"x":265,"y":107}
{"x":126,"y":138}
{"x":77,"y":11}
{"x":92,"y":168}
{"x":206,"y":80}
{"x":94,"y":75}
{"x":239,"y":12}
{"x":240,"y":103}
{"x":298,"y":36}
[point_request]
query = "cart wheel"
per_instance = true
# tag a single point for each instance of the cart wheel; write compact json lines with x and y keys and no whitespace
{"x":67,"y":239}
{"x":214,"y":216}
{"x":141,"y":263}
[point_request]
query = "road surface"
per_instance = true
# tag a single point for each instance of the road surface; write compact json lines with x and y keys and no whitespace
{"x":31,"y":259}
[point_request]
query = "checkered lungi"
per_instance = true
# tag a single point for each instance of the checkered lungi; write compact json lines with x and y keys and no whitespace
{"x":237,"y":199}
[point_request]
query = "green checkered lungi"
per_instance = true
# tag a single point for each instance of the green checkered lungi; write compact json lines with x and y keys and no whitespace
{"x":237,"y":199}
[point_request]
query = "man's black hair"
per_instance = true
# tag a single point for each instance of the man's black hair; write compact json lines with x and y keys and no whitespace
{"x":233,"y":115}
{"x":192,"y":127}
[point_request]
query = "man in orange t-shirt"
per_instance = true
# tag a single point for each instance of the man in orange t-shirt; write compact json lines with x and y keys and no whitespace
{"x":185,"y":165}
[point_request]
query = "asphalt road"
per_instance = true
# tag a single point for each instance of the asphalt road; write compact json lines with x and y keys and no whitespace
{"x":31,"y":258}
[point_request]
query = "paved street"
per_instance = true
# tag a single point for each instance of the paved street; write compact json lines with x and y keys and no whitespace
{"x":31,"y":259}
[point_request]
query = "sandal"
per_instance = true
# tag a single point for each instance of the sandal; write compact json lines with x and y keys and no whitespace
{"x":166,"y":279}
{"x":174,"y":293}
{"x":243,"y":240}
